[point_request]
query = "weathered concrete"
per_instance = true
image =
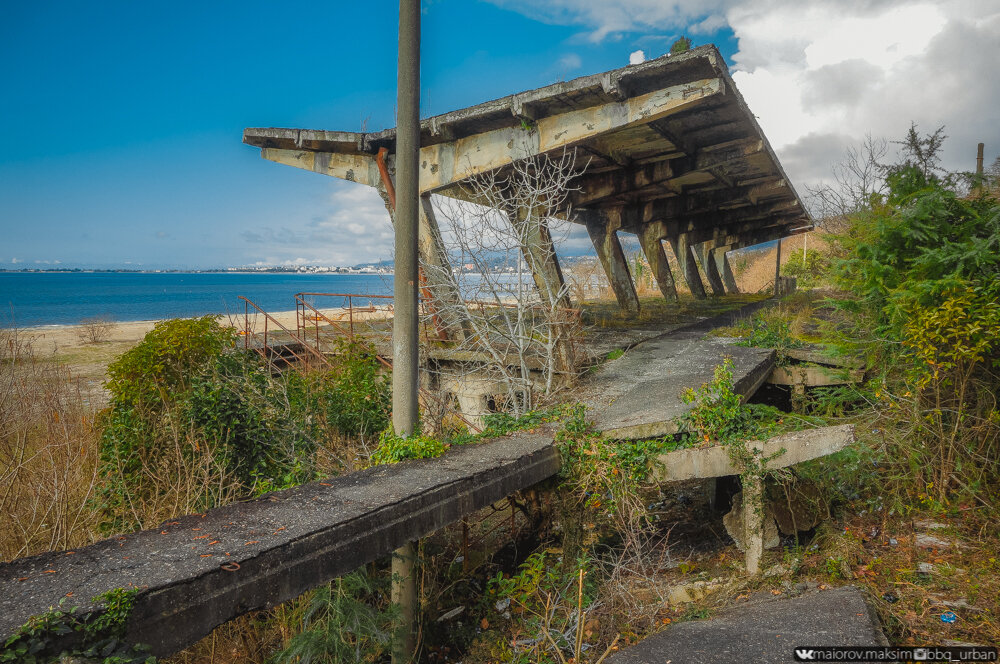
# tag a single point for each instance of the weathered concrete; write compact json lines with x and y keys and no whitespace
{"x":764,"y":631}
{"x":681,"y":244}
{"x":277,"y":547}
{"x":640,"y":392}
{"x":669,"y":142}
{"x":818,"y":357}
{"x":609,"y":251}
{"x":714,"y":461}
{"x":707,"y":260}
{"x":721,"y":257}
{"x":540,"y":255}
{"x":656,"y":256}
{"x":814,"y":376}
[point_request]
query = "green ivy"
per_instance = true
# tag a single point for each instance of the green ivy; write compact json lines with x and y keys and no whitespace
{"x":98,"y":636}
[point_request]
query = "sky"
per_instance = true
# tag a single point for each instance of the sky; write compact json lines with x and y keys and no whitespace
{"x":124,"y":120}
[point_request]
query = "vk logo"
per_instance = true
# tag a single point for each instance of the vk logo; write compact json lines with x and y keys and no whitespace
{"x":803,"y":655}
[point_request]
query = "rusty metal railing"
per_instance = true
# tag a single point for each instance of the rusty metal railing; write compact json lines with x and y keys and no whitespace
{"x":262,"y":346}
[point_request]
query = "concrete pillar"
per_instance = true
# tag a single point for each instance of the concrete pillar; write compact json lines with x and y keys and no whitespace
{"x":753,"y":522}
{"x":609,"y":250}
{"x":711,"y":270}
{"x":721,"y":257}
{"x":437,"y":278}
{"x":540,"y":255}
{"x":685,"y":262}
{"x":446,"y":299}
{"x":652,"y":248}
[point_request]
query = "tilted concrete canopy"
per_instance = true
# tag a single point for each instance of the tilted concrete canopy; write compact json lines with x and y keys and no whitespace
{"x":672,"y":152}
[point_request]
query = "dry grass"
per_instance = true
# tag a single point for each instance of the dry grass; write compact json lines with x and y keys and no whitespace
{"x":48,"y":454}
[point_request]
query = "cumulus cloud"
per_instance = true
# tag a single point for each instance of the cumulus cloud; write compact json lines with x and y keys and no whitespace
{"x":355,"y":230}
{"x":821,"y":75}
{"x":636,"y":57}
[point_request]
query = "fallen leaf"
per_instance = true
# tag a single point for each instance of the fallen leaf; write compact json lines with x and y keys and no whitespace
{"x":251,"y":542}
{"x":485,"y":624}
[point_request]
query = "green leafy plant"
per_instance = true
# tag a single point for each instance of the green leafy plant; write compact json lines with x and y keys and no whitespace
{"x":348,"y":620}
{"x":95,"y":636}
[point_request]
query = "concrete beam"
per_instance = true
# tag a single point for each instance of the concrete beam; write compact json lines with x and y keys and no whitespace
{"x":196,"y":572}
{"x":609,"y":251}
{"x":714,"y":461}
{"x":446,"y":163}
{"x":360,"y":168}
{"x":652,"y":248}
{"x":681,"y":244}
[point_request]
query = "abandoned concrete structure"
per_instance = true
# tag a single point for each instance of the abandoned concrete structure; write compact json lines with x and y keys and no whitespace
{"x":672,"y":152}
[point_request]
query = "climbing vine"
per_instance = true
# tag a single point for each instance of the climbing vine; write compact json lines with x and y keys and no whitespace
{"x":99,"y":636}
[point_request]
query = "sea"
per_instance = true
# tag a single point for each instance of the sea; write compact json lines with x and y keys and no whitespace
{"x":30,"y":299}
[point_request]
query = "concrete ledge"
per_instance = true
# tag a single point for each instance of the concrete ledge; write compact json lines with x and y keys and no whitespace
{"x":277,"y":546}
{"x":714,"y":461}
{"x":814,"y":376}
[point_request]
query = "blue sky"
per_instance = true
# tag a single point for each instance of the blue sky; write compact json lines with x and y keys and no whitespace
{"x":123,"y":120}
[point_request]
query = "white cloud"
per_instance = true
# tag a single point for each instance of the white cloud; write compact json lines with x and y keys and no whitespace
{"x":569,"y":62}
{"x":820,"y":75}
{"x":353,"y":228}
{"x":636,"y":57}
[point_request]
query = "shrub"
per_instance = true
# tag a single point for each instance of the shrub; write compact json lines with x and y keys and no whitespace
{"x":96,"y":329}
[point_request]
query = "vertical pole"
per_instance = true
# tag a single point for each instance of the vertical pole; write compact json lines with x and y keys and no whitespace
{"x":979,"y":158}
{"x":777,"y":269}
{"x":405,"y":319}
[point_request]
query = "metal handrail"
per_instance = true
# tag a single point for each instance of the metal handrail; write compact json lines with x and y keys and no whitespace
{"x":247,"y":303}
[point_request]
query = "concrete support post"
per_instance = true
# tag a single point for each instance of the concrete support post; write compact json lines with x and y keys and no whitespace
{"x":404,"y":595}
{"x":540,"y":255}
{"x":652,"y":248}
{"x":753,"y":523}
{"x":440,"y":282}
{"x":437,"y":279}
{"x":685,"y":262}
{"x":721,"y":258}
{"x":777,"y":270}
{"x":707,"y":260}
{"x":405,"y":321}
{"x":609,"y":250}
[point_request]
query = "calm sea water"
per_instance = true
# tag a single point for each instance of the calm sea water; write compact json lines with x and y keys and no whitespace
{"x":47,"y":298}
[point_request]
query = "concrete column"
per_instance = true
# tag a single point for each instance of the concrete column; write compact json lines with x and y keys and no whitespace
{"x":711,"y":270}
{"x":437,"y":279}
{"x":753,"y":523}
{"x":652,"y":248}
{"x":609,"y":250}
{"x":685,"y":262}
{"x":440,"y":280}
{"x":540,"y":255}
{"x":721,"y":257}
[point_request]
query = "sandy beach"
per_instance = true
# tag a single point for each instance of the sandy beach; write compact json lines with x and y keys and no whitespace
{"x":67,"y":346}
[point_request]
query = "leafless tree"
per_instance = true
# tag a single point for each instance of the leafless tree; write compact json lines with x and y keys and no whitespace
{"x":520,"y":340}
{"x":857,"y":179}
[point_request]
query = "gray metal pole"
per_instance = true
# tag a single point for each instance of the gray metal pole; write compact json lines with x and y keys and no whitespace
{"x":405,"y":315}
